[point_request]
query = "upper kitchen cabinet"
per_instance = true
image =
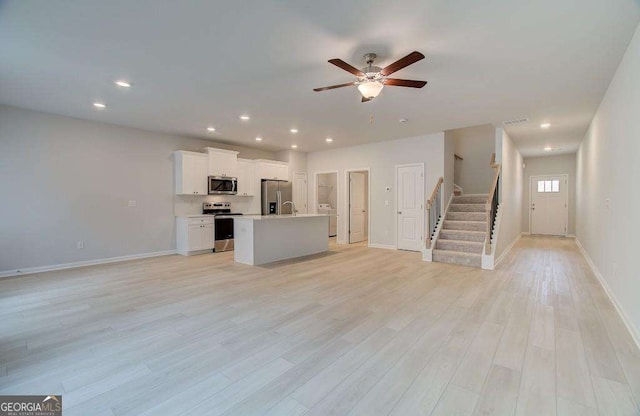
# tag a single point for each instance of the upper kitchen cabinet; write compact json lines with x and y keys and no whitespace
{"x":191,"y":173}
{"x":222,"y":162}
{"x":246,"y":177}
{"x":271,"y":169}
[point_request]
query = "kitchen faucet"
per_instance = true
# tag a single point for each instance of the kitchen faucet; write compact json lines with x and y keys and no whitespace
{"x":293,"y":207}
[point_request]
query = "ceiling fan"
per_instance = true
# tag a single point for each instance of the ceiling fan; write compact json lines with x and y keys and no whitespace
{"x":371,"y":79}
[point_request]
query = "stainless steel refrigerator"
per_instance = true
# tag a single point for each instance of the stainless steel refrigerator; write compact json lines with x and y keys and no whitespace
{"x":274,"y":194}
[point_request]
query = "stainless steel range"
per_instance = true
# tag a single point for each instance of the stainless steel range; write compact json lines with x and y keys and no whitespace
{"x":223,"y":223}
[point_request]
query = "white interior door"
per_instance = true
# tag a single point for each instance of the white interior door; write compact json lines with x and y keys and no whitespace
{"x":357,"y":207}
{"x":410,"y":198}
{"x":549,"y":205}
{"x":300,"y":191}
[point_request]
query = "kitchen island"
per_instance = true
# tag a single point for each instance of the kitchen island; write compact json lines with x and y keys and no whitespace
{"x":261,"y":239}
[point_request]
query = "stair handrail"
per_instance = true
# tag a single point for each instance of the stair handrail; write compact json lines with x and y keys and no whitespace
{"x":433,"y":215}
{"x":493,"y":198}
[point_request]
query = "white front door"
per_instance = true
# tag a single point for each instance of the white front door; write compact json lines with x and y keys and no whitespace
{"x":549,"y":212}
{"x":300,"y":191}
{"x":409,"y":205}
{"x":357,"y":207}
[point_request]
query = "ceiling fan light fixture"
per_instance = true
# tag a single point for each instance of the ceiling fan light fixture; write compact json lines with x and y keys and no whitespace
{"x":370,"y":89}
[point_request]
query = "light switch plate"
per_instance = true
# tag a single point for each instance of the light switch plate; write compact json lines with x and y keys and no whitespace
{"x":133,"y":203}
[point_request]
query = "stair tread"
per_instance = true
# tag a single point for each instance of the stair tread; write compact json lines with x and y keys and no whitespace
{"x":477,"y":222}
{"x":457,"y":253}
{"x":467,"y":242}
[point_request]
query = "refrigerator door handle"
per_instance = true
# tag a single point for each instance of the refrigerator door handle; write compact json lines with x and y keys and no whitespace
{"x":279,"y":203}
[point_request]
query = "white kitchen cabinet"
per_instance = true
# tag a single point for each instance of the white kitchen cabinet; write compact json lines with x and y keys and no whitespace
{"x":195,"y":235}
{"x":246,"y":177}
{"x":191,"y":173}
{"x":222,"y":162}
{"x":271,"y":169}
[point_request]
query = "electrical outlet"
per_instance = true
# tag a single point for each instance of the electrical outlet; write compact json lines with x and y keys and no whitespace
{"x":607,"y":203}
{"x":133,"y":203}
{"x":80,"y":244}
{"x":386,"y":202}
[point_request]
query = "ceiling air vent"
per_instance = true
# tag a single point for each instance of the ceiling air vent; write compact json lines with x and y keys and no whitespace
{"x":515,"y":121}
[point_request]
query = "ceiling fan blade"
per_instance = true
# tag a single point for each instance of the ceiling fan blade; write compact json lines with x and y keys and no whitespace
{"x":348,"y":84}
{"x":404,"y":83}
{"x":365,"y":99}
{"x":342,"y":64}
{"x":412,"y":58}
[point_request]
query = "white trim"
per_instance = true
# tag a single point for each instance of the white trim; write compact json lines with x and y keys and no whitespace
{"x":41,"y":269}
{"x":385,"y":246}
{"x":625,"y":319}
{"x":348,"y":210}
{"x":525,"y":233}
{"x":507,"y":250}
{"x":566,"y":222}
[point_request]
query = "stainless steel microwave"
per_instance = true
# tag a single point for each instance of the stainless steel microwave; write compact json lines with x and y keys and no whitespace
{"x":222,"y":185}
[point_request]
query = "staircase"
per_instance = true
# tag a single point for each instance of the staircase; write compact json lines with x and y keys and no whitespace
{"x":463,"y":233}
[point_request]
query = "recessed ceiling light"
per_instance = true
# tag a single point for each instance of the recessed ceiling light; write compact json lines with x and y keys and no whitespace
{"x":100,"y":105}
{"x":403,"y":120}
{"x":548,"y":149}
{"x":122,"y":83}
{"x":244,"y":117}
{"x":294,"y":146}
{"x":294,"y":131}
{"x":545,"y":125}
{"x":258,"y":139}
{"x":211,"y":129}
{"x":328,"y":140}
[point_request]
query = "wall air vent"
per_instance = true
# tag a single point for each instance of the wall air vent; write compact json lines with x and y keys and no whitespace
{"x":515,"y":121}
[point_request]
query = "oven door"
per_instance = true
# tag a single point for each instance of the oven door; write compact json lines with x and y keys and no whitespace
{"x":222,"y":185}
{"x":223,"y":234}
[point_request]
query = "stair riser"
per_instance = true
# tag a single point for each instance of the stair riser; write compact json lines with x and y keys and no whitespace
{"x":453,"y":245}
{"x":467,"y":216}
{"x":444,"y":257}
{"x":444,"y":235}
{"x":466,"y":226}
{"x":467,"y":208}
{"x":469,"y":199}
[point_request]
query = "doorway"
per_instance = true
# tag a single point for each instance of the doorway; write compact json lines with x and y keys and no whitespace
{"x":549,"y":204}
{"x":410,"y":208}
{"x":358,"y":197}
{"x":327,"y":199}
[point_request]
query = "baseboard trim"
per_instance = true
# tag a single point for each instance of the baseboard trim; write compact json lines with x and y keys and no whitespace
{"x":625,"y":319}
{"x":42,"y":269}
{"x":525,"y":233}
{"x":388,"y":247}
{"x":507,"y":250}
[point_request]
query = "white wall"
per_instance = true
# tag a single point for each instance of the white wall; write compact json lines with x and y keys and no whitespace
{"x":297,"y":161}
{"x":511,"y":188}
{"x":381,"y":158}
{"x":550,"y":165}
{"x":608,"y":170}
{"x":449,"y":169}
{"x":475,"y":145}
{"x":65,"y":180}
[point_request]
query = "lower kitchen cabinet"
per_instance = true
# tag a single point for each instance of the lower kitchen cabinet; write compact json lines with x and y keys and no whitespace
{"x":195,"y":235}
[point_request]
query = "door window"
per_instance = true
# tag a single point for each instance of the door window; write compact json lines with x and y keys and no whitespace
{"x":548,"y":186}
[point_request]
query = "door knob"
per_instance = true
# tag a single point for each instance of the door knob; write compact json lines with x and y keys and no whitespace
{"x":399,"y":212}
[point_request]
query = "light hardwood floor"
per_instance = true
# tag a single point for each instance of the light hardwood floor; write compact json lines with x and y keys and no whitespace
{"x":356,"y":331}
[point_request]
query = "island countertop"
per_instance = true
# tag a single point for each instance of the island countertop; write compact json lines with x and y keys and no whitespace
{"x":277,"y":217}
{"x":264,"y":239}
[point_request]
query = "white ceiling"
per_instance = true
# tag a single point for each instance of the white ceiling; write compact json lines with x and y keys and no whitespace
{"x":195,"y":64}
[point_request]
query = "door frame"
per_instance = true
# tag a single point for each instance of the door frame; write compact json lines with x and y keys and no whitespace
{"x":338,"y":199}
{"x":395,"y":210}
{"x":348,"y":188}
{"x":566,"y":219}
